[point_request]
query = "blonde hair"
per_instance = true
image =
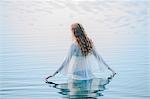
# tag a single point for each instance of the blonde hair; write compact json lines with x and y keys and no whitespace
{"x":84,"y":43}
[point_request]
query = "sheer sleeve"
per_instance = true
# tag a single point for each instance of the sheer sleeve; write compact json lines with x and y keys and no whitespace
{"x":67,"y":59}
{"x":98,"y":56}
{"x":100,"y":59}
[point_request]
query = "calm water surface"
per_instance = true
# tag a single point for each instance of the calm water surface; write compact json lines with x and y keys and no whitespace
{"x":35,"y":37}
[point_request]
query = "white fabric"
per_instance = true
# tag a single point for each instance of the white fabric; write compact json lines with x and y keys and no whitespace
{"x":80,"y":67}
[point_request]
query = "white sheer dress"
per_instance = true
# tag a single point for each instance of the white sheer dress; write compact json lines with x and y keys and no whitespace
{"x":77,"y":66}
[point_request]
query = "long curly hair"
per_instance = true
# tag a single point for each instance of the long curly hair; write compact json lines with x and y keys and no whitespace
{"x":84,"y":43}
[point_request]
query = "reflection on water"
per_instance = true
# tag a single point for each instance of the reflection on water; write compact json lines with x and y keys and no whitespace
{"x":82,"y":89}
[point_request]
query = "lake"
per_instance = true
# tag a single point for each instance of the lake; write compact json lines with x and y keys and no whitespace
{"x":35,"y":37}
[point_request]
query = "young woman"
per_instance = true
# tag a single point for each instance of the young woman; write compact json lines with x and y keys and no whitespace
{"x":80,"y":64}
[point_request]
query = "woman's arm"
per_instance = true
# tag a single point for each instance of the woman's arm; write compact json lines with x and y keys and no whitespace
{"x":96,"y":54}
{"x":66,"y":62}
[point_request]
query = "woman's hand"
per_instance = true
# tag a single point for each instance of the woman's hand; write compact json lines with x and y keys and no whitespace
{"x":51,"y":76}
{"x":48,"y":77}
{"x":114,"y":74}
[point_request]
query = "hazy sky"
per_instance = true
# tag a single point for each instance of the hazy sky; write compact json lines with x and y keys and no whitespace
{"x":28,"y":23}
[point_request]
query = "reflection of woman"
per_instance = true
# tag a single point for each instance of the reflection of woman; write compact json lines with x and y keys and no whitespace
{"x":80,"y":63}
{"x":82,"y":89}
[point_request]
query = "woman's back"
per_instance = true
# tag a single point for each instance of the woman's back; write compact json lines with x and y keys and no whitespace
{"x":80,"y":65}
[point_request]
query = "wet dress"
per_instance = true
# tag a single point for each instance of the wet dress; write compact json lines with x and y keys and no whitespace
{"x":80,"y":67}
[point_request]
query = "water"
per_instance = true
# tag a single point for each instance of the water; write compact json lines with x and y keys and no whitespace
{"x":35,"y":37}
{"x":81,"y":89}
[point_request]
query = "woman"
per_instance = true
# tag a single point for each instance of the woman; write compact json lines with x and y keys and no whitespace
{"x":79,"y":64}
